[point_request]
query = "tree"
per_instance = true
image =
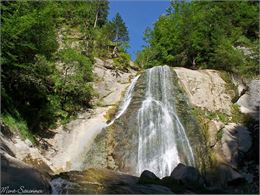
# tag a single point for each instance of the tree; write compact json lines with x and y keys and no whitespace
{"x":119,"y":32}
{"x":101,"y":13}
{"x":199,"y":34}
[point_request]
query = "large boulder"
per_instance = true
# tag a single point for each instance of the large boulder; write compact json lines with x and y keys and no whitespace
{"x":205,"y":89}
{"x":187,"y":175}
{"x":235,"y":141}
{"x":249,"y":102}
{"x":18,"y":177}
{"x":102,"y":181}
{"x":148,"y":177}
{"x":214,"y":127}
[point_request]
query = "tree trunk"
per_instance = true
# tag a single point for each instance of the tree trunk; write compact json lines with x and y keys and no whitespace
{"x":193,"y":64}
{"x":114,"y":53}
{"x":96,"y":18}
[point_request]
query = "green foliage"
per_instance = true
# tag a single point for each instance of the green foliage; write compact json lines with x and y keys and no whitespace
{"x":112,"y":35}
{"x":119,"y":31}
{"x":205,"y":34}
{"x":122,"y":61}
{"x":17,"y":125}
{"x":74,"y":88}
{"x":238,"y":117}
{"x":204,"y":115}
{"x":41,"y":84}
{"x":219,"y":135}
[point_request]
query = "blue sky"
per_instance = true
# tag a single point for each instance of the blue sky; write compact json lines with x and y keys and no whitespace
{"x":138,"y":15}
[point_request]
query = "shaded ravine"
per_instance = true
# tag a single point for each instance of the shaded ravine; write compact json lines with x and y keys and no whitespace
{"x":163,"y":142}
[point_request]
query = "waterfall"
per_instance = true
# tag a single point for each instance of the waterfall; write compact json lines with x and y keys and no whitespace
{"x":126,"y":101}
{"x":163,"y":142}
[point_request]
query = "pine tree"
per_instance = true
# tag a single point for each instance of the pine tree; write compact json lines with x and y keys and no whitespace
{"x":119,"y":31}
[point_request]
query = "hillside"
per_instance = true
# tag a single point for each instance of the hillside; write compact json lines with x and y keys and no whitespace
{"x":78,"y":116}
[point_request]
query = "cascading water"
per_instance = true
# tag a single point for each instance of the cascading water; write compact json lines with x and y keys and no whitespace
{"x":126,"y":101}
{"x":163,"y":142}
{"x":58,"y":184}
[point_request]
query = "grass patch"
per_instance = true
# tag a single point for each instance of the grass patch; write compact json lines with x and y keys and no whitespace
{"x":122,"y":61}
{"x":110,"y":114}
{"x":202,"y":115}
{"x":219,"y":135}
{"x":238,"y":117}
{"x":230,"y":86}
{"x":17,"y":125}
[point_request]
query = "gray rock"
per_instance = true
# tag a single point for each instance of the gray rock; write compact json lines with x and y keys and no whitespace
{"x":250,"y":101}
{"x":187,"y":175}
{"x":235,"y":139}
{"x":230,"y":176}
{"x":205,"y":89}
{"x":239,"y":83}
{"x":19,"y":177}
{"x":148,"y":177}
{"x":213,"y":127}
{"x":109,"y":83}
{"x":249,"y":177}
{"x":103,"y":181}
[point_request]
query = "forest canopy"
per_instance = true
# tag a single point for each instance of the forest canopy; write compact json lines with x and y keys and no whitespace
{"x":44,"y":77}
{"x":205,"y":34}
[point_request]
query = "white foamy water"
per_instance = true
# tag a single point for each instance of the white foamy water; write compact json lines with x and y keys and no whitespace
{"x":162,"y":137}
{"x":73,"y":145}
{"x":126,"y":101}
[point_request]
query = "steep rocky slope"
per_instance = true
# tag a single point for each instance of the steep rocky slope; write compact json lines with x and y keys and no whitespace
{"x":227,"y":108}
{"x":211,"y":106}
{"x":220,"y":134}
{"x":63,"y":148}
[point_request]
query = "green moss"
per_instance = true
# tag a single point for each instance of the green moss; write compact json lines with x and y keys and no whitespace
{"x":122,"y":61}
{"x":196,"y":125}
{"x":230,"y":86}
{"x":219,"y":134}
{"x":17,"y":125}
{"x":203,"y":115}
{"x":237,"y":116}
{"x":110,"y":114}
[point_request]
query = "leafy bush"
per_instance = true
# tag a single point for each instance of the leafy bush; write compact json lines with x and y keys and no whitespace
{"x":122,"y":61}
{"x":200,"y":34}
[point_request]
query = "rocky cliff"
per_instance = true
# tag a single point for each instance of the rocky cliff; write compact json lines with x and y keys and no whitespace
{"x":219,"y":129}
{"x":219,"y":112}
{"x":62,"y":149}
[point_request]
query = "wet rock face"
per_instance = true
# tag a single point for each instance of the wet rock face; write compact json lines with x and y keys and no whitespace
{"x":125,"y":133}
{"x":117,"y":146}
{"x":102,"y":181}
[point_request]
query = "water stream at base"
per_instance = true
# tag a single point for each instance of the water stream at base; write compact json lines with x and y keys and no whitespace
{"x":163,"y":142}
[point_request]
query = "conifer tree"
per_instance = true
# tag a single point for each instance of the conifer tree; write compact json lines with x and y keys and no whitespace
{"x":119,"y":29}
